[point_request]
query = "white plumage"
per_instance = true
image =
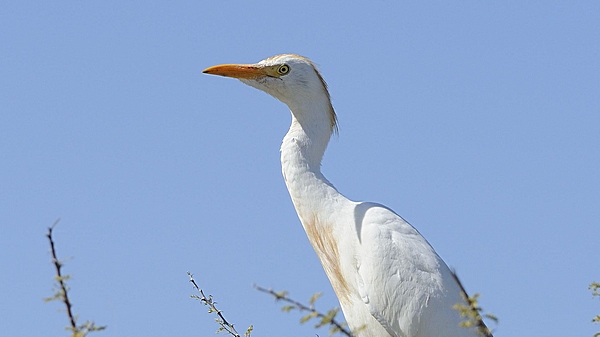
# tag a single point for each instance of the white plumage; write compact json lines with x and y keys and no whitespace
{"x":388,"y":279}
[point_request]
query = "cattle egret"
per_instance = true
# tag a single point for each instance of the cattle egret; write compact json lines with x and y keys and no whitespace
{"x":388,"y":279}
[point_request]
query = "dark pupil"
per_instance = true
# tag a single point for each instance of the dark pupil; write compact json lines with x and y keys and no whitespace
{"x":283,"y":69}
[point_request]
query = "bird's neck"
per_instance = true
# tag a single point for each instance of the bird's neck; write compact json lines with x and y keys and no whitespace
{"x":302,"y":150}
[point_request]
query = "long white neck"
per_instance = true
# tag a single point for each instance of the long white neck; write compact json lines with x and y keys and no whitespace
{"x":301,"y":153}
{"x":326,"y":215}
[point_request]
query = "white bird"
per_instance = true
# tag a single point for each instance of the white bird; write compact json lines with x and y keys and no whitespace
{"x":387,"y":277}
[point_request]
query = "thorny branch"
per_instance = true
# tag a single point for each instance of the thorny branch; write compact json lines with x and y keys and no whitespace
{"x":59,"y":278}
{"x":328,"y":318}
{"x":208,"y":301}
{"x":62,"y":293}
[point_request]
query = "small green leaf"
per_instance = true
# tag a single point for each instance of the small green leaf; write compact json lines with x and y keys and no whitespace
{"x":314,"y":298}
{"x":249,"y":331}
{"x":308,"y":317}
{"x":288,"y":308}
{"x":280,"y":295}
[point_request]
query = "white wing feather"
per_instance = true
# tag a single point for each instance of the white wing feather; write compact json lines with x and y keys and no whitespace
{"x":404,"y":283}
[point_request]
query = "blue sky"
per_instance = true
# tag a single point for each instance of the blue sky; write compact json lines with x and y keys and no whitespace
{"x":478,"y":122}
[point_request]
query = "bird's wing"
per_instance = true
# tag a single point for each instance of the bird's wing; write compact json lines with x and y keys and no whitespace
{"x":399,"y":273}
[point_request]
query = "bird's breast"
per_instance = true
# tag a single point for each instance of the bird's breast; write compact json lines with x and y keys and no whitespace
{"x":327,"y":247}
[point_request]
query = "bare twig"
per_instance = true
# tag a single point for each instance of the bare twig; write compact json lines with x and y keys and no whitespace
{"x":472,"y":311}
{"x":59,"y":278}
{"x":62,"y":295}
{"x":208,"y":301}
{"x":326,"y":319}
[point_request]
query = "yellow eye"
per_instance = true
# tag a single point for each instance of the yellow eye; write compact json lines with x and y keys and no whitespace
{"x":283,"y":69}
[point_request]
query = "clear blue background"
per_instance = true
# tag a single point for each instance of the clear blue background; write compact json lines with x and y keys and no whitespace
{"x":478,"y":122}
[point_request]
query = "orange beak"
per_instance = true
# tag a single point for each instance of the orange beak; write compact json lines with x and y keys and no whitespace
{"x":248,"y":71}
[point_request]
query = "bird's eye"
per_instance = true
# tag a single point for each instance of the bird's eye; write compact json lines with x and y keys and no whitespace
{"x":283,"y":69}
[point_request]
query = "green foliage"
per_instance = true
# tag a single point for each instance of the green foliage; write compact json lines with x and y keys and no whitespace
{"x":472,"y":312}
{"x":249,"y":331}
{"x":327,"y":319}
{"x":83,"y":329}
{"x":595,"y":289}
{"x":314,"y":298}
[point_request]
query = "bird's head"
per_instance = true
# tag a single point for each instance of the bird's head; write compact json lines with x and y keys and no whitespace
{"x":291,"y":78}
